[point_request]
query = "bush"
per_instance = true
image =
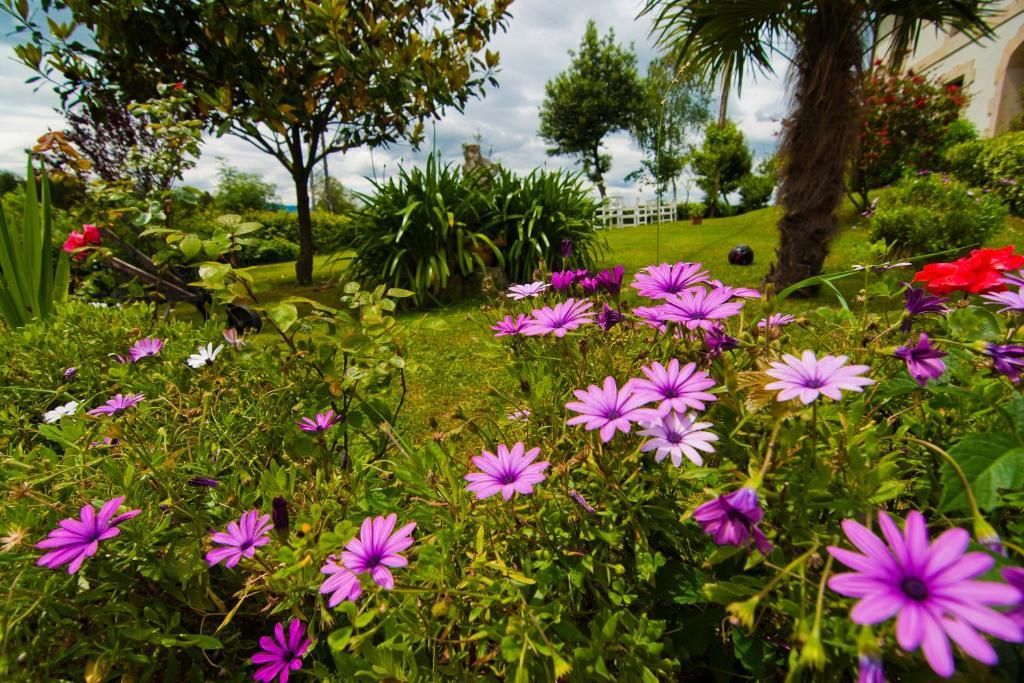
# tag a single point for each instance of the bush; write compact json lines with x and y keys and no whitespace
{"x":432,"y":227}
{"x":994,"y":164}
{"x":756,"y":189}
{"x":931,"y":214}
{"x":904,"y":128}
{"x":239,"y":192}
{"x":529,"y":217}
{"x":273,"y":250}
{"x":331,"y":232}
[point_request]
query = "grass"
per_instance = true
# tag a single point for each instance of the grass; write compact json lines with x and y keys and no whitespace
{"x":456,"y":367}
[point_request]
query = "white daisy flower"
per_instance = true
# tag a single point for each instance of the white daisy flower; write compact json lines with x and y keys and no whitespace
{"x":204,"y":356}
{"x":51,"y":416}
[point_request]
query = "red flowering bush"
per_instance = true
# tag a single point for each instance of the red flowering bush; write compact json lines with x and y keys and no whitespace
{"x":903,"y":127}
{"x":978,"y":273}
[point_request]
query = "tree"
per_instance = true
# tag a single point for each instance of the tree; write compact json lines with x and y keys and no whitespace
{"x":673,"y":106}
{"x":9,"y":182}
{"x":238,"y":192}
{"x":720,"y":163}
{"x":832,"y":39}
{"x":298,"y":80}
{"x":756,"y":188}
{"x":331,"y":195}
{"x":598,"y":94}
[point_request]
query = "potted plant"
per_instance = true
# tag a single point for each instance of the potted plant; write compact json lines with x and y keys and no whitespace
{"x":696,"y":213}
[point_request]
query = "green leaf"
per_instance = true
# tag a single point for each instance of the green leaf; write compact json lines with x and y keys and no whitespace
{"x":991,"y":463}
{"x":973,"y":324}
{"x":190,"y":246}
{"x":399,"y":293}
{"x":339,"y":638}
{"x":283,"y":315}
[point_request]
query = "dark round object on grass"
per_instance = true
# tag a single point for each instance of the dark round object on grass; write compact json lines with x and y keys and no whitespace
{"x":741,"y":255}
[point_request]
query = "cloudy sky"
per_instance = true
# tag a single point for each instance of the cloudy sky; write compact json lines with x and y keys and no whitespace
{"x":533,"y":50}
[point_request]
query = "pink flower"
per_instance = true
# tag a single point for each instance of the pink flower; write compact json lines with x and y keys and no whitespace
{"x":674,"y":388}
{"x":608,"y":409}
{"x":665,"y":281}
{"x":377,"y":548}
{"x":321,"y":422}
{"x":509,"y":472}
{"x":241,"y":539}
{"x":509,"y":327}
{"x":699,"y":308}
{"x":280,"y":655}
{"x":76,"y":539}
{"x":566,"y":316}
{"x":117,"y":404}
{"x":808,"y":377}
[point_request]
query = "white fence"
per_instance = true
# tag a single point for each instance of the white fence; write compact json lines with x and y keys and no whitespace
{"x":615,"y":213}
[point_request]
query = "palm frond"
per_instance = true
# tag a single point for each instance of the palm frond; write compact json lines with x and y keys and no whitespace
{"x":911,"y":16}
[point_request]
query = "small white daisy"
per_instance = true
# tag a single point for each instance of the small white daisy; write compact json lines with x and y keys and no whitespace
{"x":204,"y":356}
{"x":69,"y":408}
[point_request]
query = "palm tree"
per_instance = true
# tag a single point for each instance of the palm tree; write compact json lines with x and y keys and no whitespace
{"x":830,"y":41}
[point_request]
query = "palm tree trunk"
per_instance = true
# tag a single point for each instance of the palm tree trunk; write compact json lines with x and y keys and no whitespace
{"x":817,"y":140}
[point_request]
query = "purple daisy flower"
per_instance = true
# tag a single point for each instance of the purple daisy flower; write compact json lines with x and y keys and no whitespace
{"x":1007,"y":359}
{"x":509,"y":472}
{"x":150,"y":346}
{"x":279,"y":515}
{"x":70,"y":373}
{"x":1012,"y":302}
{"x":808,"y":377}
{"x":665,"y":281}
{"x":869,"y":669}
{"x":735,"y":292}
{"x":929,"y":586}
{"x":924,"y":361}
{"x":377,"y":548}
{"x":919,"y":302}
{"x":321,"y":422}
{"x":589,"y":285}
{"x":565,"y":248}
{"x":608,"y":409}
{"x":676,"y":435}
{"x":76,"y":539}
{"x":203,"y":481}
{"x":609,"y":317}
{"x":716,"y":341}
{"x":563,"y":280}
{"x":117,"y":404}
{"x":509,"y":327}
{"x":651,"y":316}
{"x":233,"y":339}
{"x":732,"y":519}
{"x":280,"y":655}
{"x":699,"y":308}
{"x":581,"y":501}
{"x":241,"y":539}
{"x":568,"y":315}
{"x":341,"y":583}
{"x":1014,"y":279}
{"x":528,"y":291}
{"x":519,"y":415}
{"x":611,"y":280}
{"x":1015,"y":577}
{"x":674,"y":388}
{"x":775,"y":321}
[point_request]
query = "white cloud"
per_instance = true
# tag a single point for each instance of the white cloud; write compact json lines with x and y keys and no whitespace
{"x":533,"y":50}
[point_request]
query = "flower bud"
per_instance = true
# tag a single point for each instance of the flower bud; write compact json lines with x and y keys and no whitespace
{"x":987,"y":536}
{"x":279,"y":514}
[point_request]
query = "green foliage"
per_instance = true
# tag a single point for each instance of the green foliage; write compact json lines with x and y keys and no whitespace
{"x":756,"y":188}
{"x":422,"y":228}
{"x":238,"y":192}
{"x":331,"y":196}
{"x":925,"y":215}
{"x":993,"y":164}
{"x":905,"y":127}
{"x":529,"y":217}
{"x":600,"y":93}
{"x":674,"y":105}
{"x":30,"y":283}
{"x":326,"y":78}
{"x":9,"y":182}
{"x":696,"y":210}
{"x":721,"y":162}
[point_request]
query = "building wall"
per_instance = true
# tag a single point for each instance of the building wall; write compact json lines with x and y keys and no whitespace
{"x":992,"y":71}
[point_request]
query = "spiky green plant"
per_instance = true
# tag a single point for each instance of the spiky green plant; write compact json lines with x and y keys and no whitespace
{"x":420,"y":228}
{"x":30,"y":285}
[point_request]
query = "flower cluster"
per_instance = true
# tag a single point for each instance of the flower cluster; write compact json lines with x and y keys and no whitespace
{"x":979,"y":273}
{"x":76,"y":241}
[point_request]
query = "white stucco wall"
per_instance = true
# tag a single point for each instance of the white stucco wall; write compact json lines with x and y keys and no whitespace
{"x":983,"y":66}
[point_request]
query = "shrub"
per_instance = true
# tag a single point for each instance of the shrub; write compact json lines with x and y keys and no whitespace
{"x":903,"y":129}
{"x":239,"y":192}
{"x":529,"y":217}
{"x":273,"y":250}
{"x":994,"y":164}
{"x":932,"y":213}
{"x":422,"y":229}
{"x":756,"y":189}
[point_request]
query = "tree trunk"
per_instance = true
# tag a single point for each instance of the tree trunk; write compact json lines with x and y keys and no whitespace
{"x":817,"y":141}
{"x":723,"y":105}
{"x":304,"y":264}
{"x":598,"y":176}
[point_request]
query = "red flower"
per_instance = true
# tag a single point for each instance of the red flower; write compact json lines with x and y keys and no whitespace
{"x":91,"y":234}
{"x":75,"y":240}
{"x":180,"y":85}
{"x":978,"y":273}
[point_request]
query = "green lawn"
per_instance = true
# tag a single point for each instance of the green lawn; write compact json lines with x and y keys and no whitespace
{"x":454,"y":372}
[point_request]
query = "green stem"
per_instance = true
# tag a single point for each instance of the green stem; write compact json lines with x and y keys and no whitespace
{"x":971,"y":501}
